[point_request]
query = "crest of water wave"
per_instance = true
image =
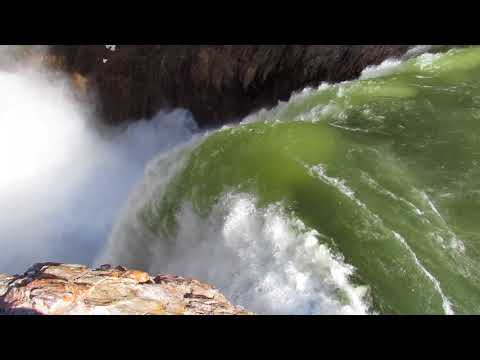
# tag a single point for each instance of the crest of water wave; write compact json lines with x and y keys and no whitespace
{"x":263,"y":259}
{"x":130,"y":241}
{"x":257,"y":257}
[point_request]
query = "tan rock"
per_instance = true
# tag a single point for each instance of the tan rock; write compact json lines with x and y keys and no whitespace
{"x":63,"y":289}
{"x":5,"y":280}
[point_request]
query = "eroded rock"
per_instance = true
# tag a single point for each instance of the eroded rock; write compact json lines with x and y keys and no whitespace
{"x":65,"y":289}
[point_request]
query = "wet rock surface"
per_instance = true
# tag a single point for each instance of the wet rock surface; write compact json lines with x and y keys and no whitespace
{"x":63,"y":289}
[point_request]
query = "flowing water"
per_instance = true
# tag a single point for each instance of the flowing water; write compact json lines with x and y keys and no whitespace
{"x":354,"y":198}
{"x":359,"y":197}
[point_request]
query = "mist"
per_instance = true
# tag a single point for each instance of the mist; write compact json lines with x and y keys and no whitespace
{"x":62,"y":184}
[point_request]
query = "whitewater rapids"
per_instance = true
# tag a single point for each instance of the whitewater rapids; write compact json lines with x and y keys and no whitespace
{"x":351,"y":198}
{"x":343,"y":200}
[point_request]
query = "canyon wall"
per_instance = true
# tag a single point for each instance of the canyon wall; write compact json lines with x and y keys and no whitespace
{"x":218,"y":83}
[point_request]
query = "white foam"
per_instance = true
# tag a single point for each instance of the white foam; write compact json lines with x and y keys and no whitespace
{"x":320,"y":171}
{"x":427,"y":62}
{"x":416,"y":51}
{"x":344,"y":189}
{"x":447,"y":306}
{"x":385,"y":68}
{"x":61,"y":184}
{"x":262,"y":259}
{"x":455,"y":242}
{"x":391,"y":195}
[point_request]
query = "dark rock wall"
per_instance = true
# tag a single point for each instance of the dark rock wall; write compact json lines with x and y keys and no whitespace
{"x":218,"y":83}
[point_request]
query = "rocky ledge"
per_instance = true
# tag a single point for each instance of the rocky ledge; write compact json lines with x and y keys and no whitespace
{"x":61,"y":289}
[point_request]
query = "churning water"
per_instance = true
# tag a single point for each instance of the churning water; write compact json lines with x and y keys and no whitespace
{"x":360,"y":197}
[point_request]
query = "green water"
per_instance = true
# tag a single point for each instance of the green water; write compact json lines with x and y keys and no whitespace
{"x":387,"y":169}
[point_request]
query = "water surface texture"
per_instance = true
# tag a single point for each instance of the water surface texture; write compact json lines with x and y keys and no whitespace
{"x":361,"y":197}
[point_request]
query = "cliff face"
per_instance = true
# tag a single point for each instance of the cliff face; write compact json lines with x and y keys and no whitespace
{"x":217,"y":83}
{"x":60,"y":289}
